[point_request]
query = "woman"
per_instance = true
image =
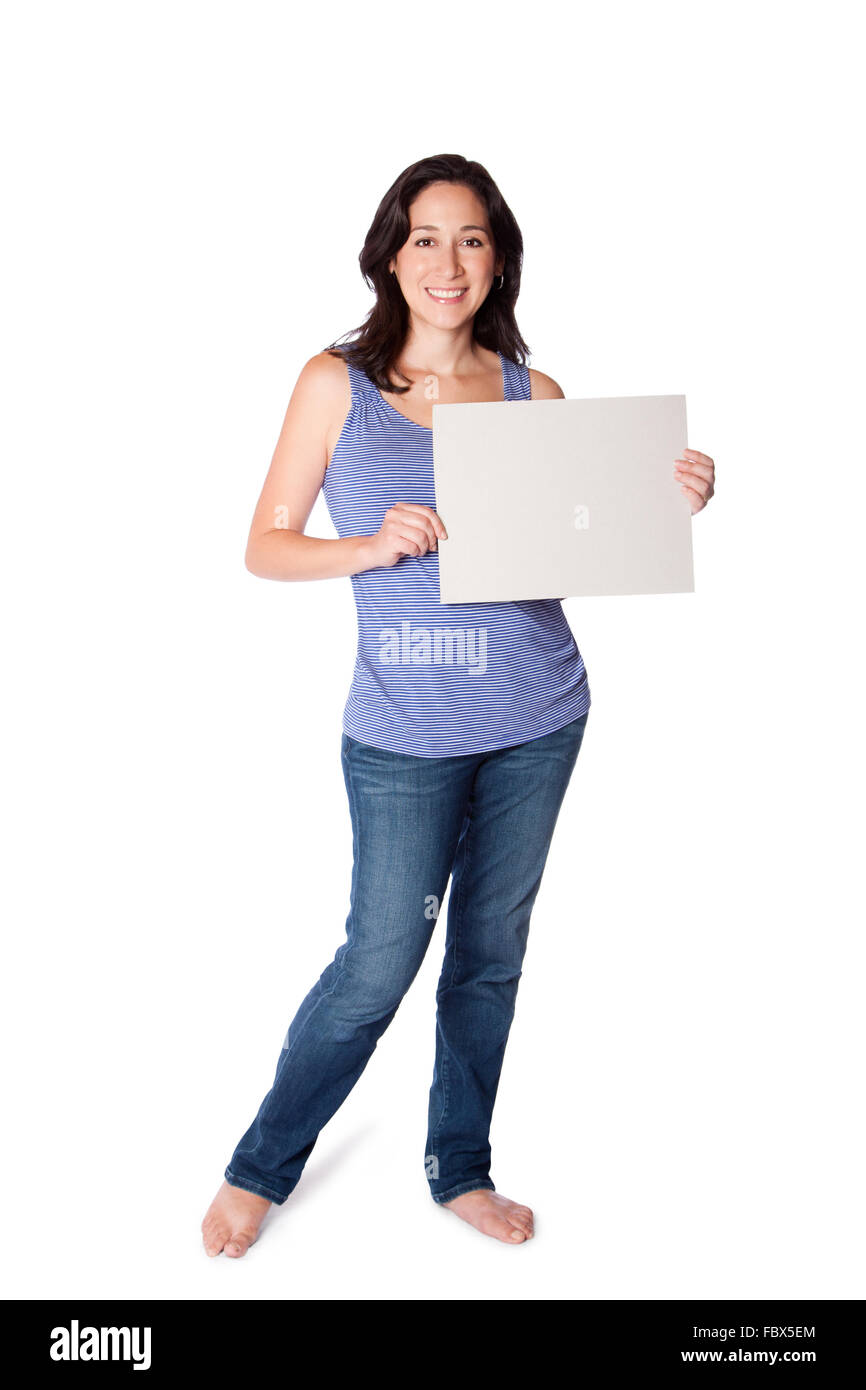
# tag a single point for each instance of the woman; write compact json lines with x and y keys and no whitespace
{"x":463,"y":722}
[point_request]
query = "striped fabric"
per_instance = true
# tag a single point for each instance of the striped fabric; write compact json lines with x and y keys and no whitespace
{"x":434,"y":679}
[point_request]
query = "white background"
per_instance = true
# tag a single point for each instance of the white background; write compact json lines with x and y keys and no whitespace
{"x":188,"y":188}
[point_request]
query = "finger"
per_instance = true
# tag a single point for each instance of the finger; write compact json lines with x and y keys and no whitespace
{"x":419,"y":525}
{"x":427,"y":511}
{"x":698,"y":456}
{"x":692,"y":479}
{"x":696,"y":501}
{"x":415,"y":535}
{"x":436,"y":524}
{"x":698,"y":487}
{"x":403,"y":546}
{"x":429,"y":535}
{"x":701,"y":470}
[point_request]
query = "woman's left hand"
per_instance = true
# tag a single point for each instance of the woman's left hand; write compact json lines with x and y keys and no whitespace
{"x":696,"y":473}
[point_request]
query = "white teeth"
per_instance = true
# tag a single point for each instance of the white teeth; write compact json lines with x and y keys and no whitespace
{"x":446,"y":294}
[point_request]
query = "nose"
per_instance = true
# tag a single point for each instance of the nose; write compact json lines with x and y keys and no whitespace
{"x":449,"y":262}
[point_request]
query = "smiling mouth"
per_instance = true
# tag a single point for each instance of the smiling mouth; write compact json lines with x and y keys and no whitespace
{"x":447,"y":296}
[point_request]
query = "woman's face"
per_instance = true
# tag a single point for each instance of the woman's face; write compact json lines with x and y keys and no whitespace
{"x":449,"y":248}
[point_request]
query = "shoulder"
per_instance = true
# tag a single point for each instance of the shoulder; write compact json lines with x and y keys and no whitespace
{"x":543,"y":387}
{"x":325,"y":374}
{"x":323,"y":388}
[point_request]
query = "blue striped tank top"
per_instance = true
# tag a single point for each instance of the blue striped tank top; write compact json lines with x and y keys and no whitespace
{"x":435,"y":679}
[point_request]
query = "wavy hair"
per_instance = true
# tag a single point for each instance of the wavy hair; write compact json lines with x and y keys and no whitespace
{"x":379,"y":340}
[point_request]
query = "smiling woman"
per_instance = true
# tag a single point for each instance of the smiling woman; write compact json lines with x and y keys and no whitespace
{"x":463,"y":722}
{"x":442,"y":236}
{"x":453,"y":764}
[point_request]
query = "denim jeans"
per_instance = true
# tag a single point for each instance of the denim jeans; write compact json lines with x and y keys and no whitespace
{"x":486,"y":820}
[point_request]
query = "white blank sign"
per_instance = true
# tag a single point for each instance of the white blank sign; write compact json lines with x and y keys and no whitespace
{"x":545,"y":499}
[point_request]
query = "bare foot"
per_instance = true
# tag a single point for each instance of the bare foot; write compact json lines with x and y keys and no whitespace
{"x":233,"y":1220}
{"x":494,"y":1215}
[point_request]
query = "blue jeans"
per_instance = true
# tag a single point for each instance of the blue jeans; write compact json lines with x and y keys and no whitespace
{"x":486,"y":820}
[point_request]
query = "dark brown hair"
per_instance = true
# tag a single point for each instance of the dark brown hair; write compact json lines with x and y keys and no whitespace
{"x":379,"y":340}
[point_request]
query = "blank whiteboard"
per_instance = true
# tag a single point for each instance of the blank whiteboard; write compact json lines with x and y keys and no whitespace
{"x":545,"y":499}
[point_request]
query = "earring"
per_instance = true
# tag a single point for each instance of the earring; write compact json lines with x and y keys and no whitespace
{"x":501,"y":281}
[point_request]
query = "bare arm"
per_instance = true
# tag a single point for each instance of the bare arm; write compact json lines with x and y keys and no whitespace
{"x":277,"y":547}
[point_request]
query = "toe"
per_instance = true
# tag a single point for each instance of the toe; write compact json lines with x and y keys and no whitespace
{"x":503,"y":1230}
{"x":214,"y":1235}
{"x":239,"y":1244}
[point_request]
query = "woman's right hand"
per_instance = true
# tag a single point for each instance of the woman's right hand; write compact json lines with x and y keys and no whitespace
{"x":407,"y":529}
